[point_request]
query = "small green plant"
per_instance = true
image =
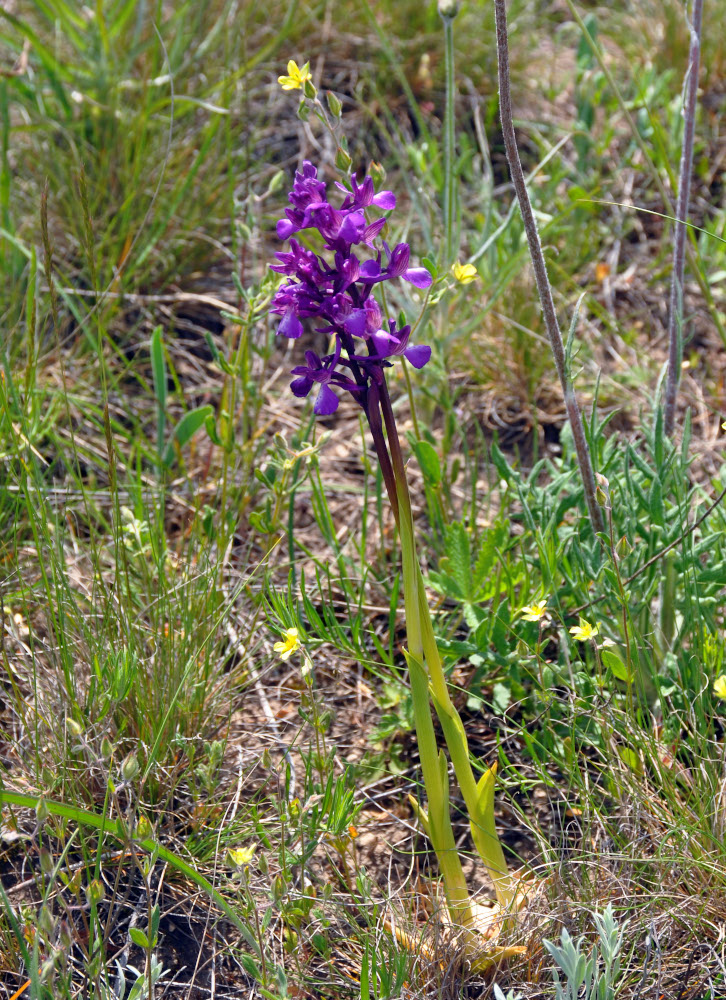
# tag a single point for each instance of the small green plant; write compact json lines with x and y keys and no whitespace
{"x":579,"y":977}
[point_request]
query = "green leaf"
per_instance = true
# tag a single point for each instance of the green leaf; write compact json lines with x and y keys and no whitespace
{"x":500,"y":463}
{"x":485,"y":558}
{"x":138,"y":937}
{"x":186,"y":429}
{"x":158,"y":370}
{"x":430,"y":266}
{"x":655,"y":503}
{"x":429,"y":462}
{"x":458,"y":558}
{"x":501,"y":698}
{"x":613,"y":663}
{"x":210,"y":426}
{"x":117,"y":828}
{"x":631,"y":758}
{"x":251,"y":967}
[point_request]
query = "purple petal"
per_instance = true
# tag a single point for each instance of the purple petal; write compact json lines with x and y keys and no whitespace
{"x":418,"y":276}
{"x":355,"y":323}
{"x":370,"y":270}
{"x":352,"y":226}
{"x":418,"y":356}
{"x":313,"y":360}
{"x":384,"y":343}
{"x":370,"y":232}
{"x":398,"y":259}
{"x":290,"y":325}
{"x":385,"y":200}
{"x":301,"y":386}
{"x":284,"y":229}
{"x":326,"y":403}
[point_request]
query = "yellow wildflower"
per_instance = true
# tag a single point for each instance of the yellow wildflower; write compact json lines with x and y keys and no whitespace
{"x":464,"y":273}
{"x":296,"y":76}
{"x":240,"y":857}
{"x":584,"y":631}
{"x":534,"y":612}
{"x":288,"y":647}
{"x":719,"y":686}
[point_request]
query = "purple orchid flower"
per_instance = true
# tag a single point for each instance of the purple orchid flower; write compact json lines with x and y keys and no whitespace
{"x":394,"y":343}
{"x":398,"y":260}
{"x":339,"y":294}
{"x":321,"y":371}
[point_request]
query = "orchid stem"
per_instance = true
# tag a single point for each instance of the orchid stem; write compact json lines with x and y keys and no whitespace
{"x":478,"y":796}
{"x":433,"y":763}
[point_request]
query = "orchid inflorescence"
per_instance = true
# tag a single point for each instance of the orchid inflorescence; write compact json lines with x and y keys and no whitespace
{"x":339,"y":296}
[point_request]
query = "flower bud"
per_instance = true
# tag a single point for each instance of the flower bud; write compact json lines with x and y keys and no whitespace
{"x":334,"y":105}
{"x":342,"y":159}
{"x":622,"y":548}
{"x":41,"y":810}
{"x":279,"y":886}
{"x":74,"y":727}
{"x":144,"y":829}
{"x":602,"y":490}
{"x":310,"y":90}
{"x":95,"y":891}
{"x":449,"y":8}
{"x":129,"y":767}
{"x":46,"y":923}
{"x":277,"y":181}
{"x":377,"y":172}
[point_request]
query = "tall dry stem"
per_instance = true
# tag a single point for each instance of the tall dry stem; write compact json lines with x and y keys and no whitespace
{"x":675,"y":313}
{"x":540,"y":270}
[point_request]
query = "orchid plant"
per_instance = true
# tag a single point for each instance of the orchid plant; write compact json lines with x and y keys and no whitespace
{"x":340,"y":292}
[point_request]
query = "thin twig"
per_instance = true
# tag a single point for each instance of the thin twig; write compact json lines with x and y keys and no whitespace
{"x":675,"y":313}
{"x":540,"y":269}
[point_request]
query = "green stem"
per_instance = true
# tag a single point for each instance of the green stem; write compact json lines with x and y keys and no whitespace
{"x":433,"y":763}
{"x":478,"y":796}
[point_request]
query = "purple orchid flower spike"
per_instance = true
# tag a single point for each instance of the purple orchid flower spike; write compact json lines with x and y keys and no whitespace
{"x":339,"y":294}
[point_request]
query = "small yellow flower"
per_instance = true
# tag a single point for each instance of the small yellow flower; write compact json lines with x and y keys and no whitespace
{"x":719,"y":686}
{"x":534,"y":612}
{"x":240,"y":857}
{"x":584,"y":631}
{"x":296,"y":76}
{"x":464,"y":273}
{"x":288,"y":647}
